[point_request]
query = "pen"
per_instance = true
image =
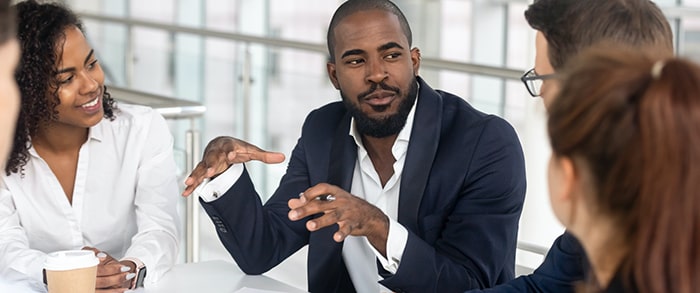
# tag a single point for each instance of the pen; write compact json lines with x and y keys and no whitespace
{"x":327,"y":197}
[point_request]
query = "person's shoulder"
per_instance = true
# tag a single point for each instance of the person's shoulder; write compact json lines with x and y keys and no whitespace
{"x":459,"y":108}
{"x":329,"y":113}
{"x":331,"y":108}
{"x":441,"y":98}
{"x":134,"y":117}
{"x":324,"y":120}
{"x":460,"y":117}
{"x":131,"y":113}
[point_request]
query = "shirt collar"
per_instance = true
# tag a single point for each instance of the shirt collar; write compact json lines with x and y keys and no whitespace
{"x":95,"y":132}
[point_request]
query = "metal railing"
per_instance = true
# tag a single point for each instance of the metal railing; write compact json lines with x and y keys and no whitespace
{"x":472,"y":68}
{"x":521,"y":269}
{"x":172,"y":108}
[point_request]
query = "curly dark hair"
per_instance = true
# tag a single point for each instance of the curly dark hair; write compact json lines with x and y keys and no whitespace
{"x":41,"y":32}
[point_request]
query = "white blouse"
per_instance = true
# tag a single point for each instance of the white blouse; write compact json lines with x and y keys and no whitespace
{"x":124,"y":200}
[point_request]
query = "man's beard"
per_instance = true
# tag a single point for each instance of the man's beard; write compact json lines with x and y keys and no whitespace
{"x":385,"y":126}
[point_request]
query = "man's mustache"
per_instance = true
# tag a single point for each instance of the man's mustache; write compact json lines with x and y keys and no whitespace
{"x":373,"y":88}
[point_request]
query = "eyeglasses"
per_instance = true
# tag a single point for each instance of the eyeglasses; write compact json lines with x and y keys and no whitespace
{"x":533,"y":81}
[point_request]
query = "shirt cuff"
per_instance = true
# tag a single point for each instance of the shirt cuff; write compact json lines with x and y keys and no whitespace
{"x":395,"y":245}
{"x":211,"y":190}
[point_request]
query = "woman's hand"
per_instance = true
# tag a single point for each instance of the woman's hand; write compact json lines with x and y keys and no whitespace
{"x":112,"y":275}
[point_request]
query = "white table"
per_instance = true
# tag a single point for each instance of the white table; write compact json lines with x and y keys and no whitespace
{"x":215,"y":276}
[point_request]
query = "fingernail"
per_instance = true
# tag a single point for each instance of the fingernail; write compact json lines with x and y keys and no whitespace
{"x":312,"y":225}
{"x":101,"y":255}
{"x":293,"y":215}
{"x":130,"y":276}
{"x":125,"y":269}
{"x":302,"y":198}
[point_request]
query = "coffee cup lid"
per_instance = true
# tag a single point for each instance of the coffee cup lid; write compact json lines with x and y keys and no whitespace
{"x":70,"y":260}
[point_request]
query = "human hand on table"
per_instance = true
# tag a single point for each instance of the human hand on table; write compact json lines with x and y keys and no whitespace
{"x":112,"y":275}
{"x":221,"y":153}
{"x":353,"y":215}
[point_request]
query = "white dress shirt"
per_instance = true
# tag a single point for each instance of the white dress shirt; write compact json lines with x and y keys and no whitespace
{"x":359,"y":255}
{"x":124,"y":200}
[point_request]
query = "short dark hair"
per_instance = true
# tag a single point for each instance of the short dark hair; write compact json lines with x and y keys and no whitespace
{"x":572,"y":25}
{"x":352,"y":6}
{"x":7,"y":21}
{"x":41,"y":33}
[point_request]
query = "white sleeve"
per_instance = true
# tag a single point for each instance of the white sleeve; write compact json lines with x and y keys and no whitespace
{"x":17,"y":262}
{"x":211,"y":190}
{"x":395,"y":245}
{"x":156,"y":241}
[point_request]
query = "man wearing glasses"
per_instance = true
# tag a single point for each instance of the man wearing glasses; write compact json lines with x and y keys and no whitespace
{"x":565,"y":28}
{"x":533,"y":81}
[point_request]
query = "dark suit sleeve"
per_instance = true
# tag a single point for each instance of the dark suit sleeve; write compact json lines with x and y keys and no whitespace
{"x":260,"y":237}
{"x":564,"y":265}
{"x":475,"y":246}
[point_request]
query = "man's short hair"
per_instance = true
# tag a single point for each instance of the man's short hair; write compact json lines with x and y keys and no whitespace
{"x":572,"y":25}
{"x":352,"y":6}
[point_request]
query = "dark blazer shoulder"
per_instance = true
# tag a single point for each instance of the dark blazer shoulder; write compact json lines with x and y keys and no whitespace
{"x":460,"y":117}
{"x":321,"y":122}
{"x":460,"y":111}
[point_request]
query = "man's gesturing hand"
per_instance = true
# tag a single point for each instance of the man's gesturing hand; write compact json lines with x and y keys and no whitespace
{"x":221,"y":153}
{"x":353,"y":215}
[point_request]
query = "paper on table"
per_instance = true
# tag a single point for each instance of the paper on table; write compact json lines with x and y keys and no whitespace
{"x":252,"y":290}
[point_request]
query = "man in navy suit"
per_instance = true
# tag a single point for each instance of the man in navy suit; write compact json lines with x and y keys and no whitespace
{"x":399,"y":185}
{"x":565,"y":28}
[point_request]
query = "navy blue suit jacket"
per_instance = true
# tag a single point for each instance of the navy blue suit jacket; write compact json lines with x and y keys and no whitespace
{"x":564,"y":266}
{"x":462,"y":192}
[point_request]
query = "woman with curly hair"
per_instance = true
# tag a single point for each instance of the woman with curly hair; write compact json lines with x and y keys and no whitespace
{"x":623,"y":176}
{"x":9,"y":97}
{"x":83,"y":174}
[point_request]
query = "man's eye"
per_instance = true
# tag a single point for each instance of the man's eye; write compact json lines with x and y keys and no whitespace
{"x":393,"y":55}
{"x":92,"y":64}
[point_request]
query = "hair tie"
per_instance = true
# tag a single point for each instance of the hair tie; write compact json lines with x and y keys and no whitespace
{"x":657,"y":69}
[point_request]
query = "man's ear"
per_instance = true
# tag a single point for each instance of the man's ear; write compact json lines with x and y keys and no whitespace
{"x":330,"y":67}
{"x":415,"y":59}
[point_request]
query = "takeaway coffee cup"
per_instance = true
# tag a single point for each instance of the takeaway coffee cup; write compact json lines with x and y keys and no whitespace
{"x":71,"y":271}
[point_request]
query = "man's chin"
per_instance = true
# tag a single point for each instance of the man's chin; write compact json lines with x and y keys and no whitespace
{"x":379,"y":117}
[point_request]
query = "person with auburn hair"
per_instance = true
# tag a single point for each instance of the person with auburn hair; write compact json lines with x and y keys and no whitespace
{"x":83,"y":174}
{"x":623,"y":176}
{"x":564,"y":29}
{"x":9,"y":95}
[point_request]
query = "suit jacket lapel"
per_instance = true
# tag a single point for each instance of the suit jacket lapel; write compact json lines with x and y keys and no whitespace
{"x":343,"y":155}
{"x":327,"y":270}
{"x":420,"y":154}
